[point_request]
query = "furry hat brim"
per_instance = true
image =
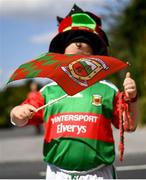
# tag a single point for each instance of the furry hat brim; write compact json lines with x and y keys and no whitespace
{"x":62,"y":40}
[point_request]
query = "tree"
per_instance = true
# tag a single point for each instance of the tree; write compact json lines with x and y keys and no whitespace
{"x":129,"y":42}
{"x":128,"y":39}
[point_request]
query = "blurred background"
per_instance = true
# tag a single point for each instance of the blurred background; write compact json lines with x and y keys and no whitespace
{"x":26,"y":28}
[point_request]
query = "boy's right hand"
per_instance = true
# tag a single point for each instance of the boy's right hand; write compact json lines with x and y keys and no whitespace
{"x":21,"y":114}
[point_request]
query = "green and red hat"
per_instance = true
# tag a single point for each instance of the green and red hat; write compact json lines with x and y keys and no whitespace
{"x":80,"y":26}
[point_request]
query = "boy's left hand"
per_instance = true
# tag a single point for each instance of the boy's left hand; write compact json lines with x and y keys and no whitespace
{"x":129,"y":87}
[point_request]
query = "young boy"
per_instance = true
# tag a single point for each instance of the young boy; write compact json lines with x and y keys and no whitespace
{"x":78,"y":142}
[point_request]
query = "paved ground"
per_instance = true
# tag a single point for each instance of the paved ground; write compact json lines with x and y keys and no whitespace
{"x":134,"y":167}
{"x":134,"y":142}
{"x":20,"y":144}
{"x":21,"y":154}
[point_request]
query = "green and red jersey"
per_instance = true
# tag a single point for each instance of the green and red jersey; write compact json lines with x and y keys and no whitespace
{"x":78,"y":132}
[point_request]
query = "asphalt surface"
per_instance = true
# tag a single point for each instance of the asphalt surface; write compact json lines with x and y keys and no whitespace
{"x":131,"y":169}
{"x":21,"y":155}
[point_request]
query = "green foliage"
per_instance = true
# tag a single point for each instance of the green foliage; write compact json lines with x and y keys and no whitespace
{"x":129,"y":40}
{"x":129,"y":43}
{"x":142,"y":104}
{"x":9,"y":98}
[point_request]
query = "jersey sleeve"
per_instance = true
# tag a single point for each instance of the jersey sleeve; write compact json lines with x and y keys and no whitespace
{"x":35,"y":99}
{"x":116,"y":109}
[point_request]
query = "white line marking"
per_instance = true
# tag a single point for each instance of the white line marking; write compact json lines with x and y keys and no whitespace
{"x":42,"y":173}
{"x":132,"y":167}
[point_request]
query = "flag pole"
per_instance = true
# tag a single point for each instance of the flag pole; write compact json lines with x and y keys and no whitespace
{"x":52,"y":102}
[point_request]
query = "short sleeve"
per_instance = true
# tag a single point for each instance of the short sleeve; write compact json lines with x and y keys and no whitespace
{"x":115,"y":119}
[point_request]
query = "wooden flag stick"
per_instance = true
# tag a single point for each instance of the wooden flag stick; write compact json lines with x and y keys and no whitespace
{"x":52,"y":102}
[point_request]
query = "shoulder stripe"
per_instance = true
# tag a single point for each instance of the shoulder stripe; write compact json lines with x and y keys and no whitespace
{"x":108,"y":83}
{"x":50,"y":84}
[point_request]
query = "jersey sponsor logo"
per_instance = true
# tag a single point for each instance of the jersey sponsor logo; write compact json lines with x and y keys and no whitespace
{"x":84,"y":69}
{"x":81,"y":125}
{"x":77,"y":129}
{"x":96,"y":100}
{"x":74,"y":117}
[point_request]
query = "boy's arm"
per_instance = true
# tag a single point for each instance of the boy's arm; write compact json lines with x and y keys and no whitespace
{"x":131,"y":102}
{"x":131,"y":94}
{"x":26,"y":113}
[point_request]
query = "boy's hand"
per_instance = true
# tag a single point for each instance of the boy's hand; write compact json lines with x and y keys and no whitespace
{"x":21,"y":114}
{"x":129,"y":87}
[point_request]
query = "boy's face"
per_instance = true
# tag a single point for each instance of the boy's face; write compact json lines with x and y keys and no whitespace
{"x":33,"y":86}
{"x":78,"y":48}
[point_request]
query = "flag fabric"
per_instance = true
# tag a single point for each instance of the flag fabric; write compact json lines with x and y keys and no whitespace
{"x":73,"y":73}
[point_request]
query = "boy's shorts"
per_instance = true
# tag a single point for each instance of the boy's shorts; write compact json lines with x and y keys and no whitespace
{"x":101,"y":172}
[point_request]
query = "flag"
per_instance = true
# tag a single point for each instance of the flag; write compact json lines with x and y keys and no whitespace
{"x":73,"y":73}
